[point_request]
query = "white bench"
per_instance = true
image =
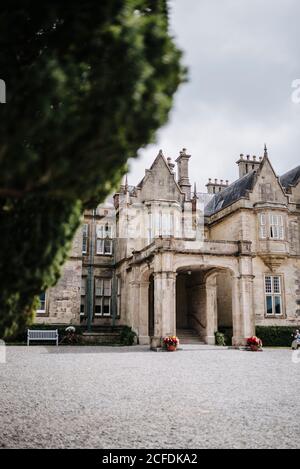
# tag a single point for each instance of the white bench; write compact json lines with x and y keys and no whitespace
{"x":33,"y":334}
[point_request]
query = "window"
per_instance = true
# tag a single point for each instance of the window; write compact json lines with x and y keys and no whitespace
{"x":42,"y":306}
{"x":271,"y":227}
{"x":276,"y":227}
{"x":273,"y":295}
{"x":83,"y":297}
{"x":263,"y":226}
{"x":85,"y":238}
{"x":104,"y":239}
{"x":102,"y":297}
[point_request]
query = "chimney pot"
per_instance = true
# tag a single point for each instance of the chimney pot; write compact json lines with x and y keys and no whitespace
{"x":216,"y":181}
{"x":248,"y":157}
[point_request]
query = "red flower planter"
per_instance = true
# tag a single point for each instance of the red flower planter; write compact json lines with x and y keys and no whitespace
{"x":171,"y":348}
{"x":254,"y":348}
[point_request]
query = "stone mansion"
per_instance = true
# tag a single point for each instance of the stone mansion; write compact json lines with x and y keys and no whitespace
{"x":163,"y":258}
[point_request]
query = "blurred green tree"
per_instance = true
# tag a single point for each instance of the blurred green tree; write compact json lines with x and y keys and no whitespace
{"x":87,"y":84}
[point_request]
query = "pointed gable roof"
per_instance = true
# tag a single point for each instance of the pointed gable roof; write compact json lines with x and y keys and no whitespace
{"x":160,"y":156}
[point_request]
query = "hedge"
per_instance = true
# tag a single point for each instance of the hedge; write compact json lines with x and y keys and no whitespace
{"x":276,"y":336}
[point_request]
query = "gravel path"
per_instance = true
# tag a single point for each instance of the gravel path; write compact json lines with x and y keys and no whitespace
{"x":111,"y":397}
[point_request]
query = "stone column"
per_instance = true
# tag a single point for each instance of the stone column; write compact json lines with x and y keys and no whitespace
{"x":237,"y":337}
{"x":164,"y":306}
{"x":144,"y":338}
{"x":242,"y":309}
{"x":211,"y":310}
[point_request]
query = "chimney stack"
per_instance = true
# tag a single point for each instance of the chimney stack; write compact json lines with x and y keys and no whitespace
{"x":247,"y":165}
{"x":183,"y":173}
{"x":215,"y":187}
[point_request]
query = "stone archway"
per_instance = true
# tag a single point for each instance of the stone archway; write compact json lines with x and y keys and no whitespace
{"x":204,"y":299}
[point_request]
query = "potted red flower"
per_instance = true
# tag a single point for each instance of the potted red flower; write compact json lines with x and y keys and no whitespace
{"x":171,"y":342}
{"x":254,"y":343}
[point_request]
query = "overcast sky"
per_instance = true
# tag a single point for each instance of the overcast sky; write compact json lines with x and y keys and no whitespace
{"x":243,"y":56}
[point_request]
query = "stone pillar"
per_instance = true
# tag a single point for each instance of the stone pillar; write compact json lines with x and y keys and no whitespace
{"x":144,"y":338}
{"x":164,"y":306}
{"x":242,"y":309}
{"x":211,"y":310}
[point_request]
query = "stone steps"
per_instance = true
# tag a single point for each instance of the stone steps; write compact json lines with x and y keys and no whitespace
{"x":188,"y":336}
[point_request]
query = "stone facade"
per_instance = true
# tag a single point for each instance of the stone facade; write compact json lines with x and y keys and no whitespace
{"x":163,"y":258}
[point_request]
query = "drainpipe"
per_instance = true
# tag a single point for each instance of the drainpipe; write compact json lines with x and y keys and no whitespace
{"x":90,"y":279}
{"x":114,"y":281}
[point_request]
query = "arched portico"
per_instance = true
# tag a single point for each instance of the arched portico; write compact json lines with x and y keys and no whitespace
{"x":204,"y":302}
{"x":219,"y":295}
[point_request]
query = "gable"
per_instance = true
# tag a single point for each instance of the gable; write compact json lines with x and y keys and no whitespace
{"x":267,"y":187}
{"x":159,"y":183}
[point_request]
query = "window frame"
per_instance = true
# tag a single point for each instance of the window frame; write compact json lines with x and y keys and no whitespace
{"x":273,"y":294}
{"x":42,"y":311}
{"x":101,"y":296}
{"x":83,"y":313}
{"x":271,"y":226}
{"x":101,"y":239}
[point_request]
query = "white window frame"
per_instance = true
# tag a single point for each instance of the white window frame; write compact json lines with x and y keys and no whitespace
{"x":263,"y":226}
{"x":101,"y":294}
{"x":274,"y":289}
{"x":276,"y":226}
{"x":104,"y":239}
{"x":271,"y":227}
{"x":42,"y":311}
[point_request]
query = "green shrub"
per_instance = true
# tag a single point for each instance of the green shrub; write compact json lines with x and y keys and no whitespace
{"x":127,"y":336}
{"x":276,"y":336}
{"x":227,"y":333}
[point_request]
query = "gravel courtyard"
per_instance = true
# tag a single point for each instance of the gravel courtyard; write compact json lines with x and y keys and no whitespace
{"x":119,"y":397}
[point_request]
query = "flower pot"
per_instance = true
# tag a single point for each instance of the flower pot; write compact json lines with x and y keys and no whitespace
{"x":254,"y":348}
{"x":171,"y":348}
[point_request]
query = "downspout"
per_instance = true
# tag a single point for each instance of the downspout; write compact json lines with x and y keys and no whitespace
{"x":90,"y":282}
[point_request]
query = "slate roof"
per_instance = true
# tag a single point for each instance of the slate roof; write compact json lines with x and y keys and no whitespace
{"x":291,"y":178}
{"x":230,"y":194}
